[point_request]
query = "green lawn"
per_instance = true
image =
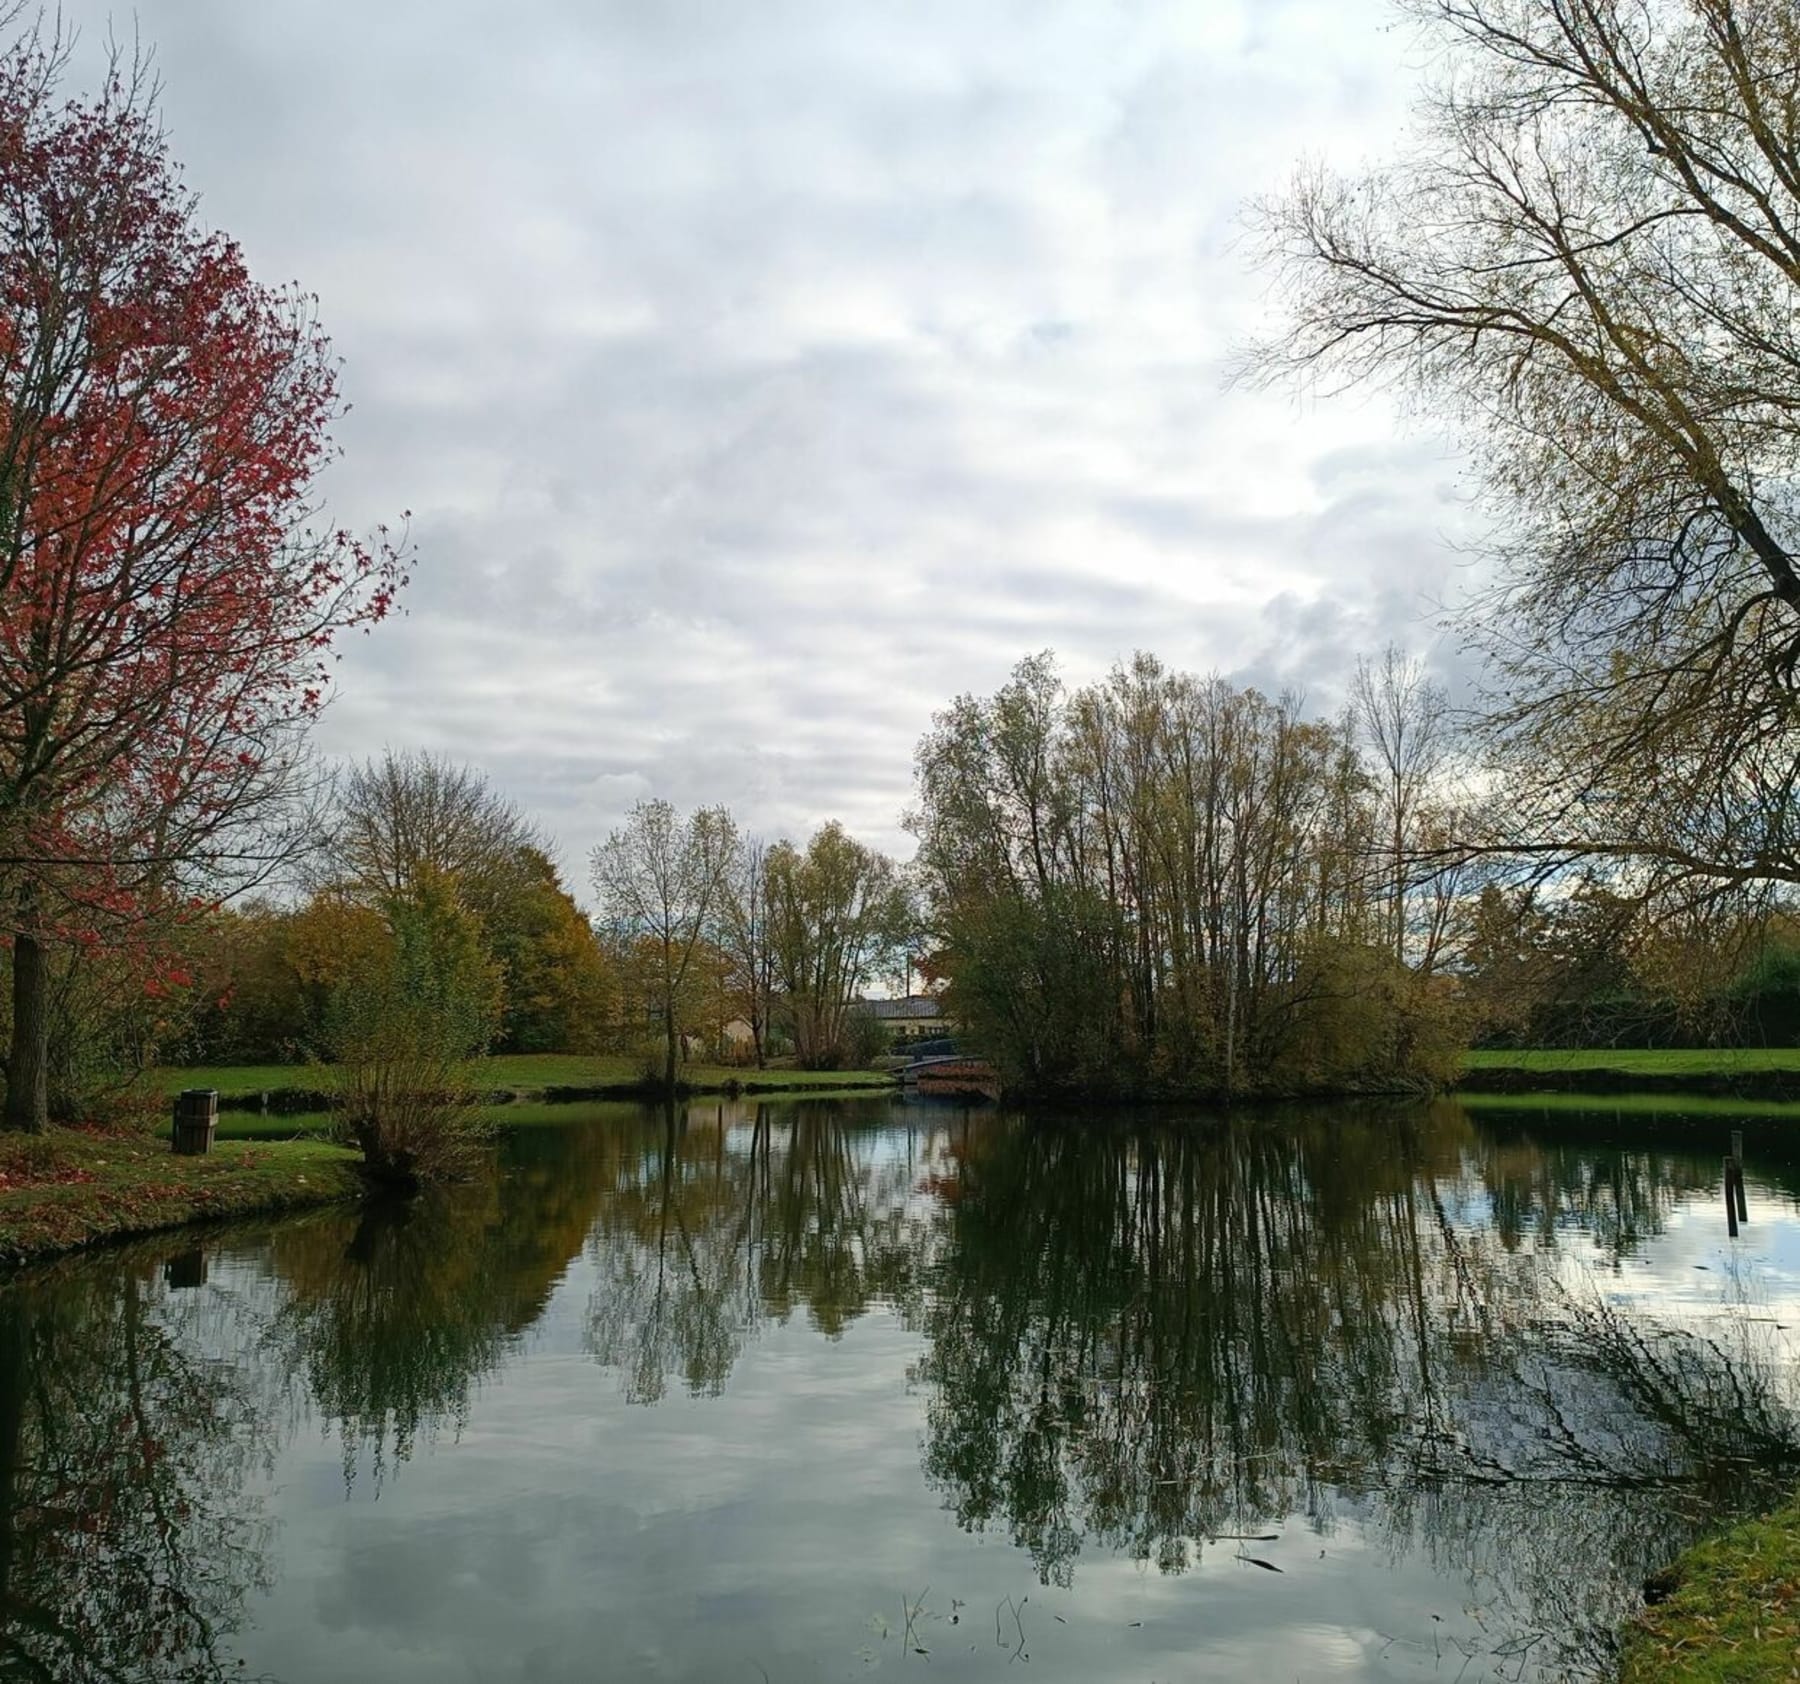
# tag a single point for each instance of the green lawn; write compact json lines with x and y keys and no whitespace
{"x":238,"y":1078}
{"x":1734,"y":1617}
{"x":525,"y":1071}
{"x":545,"y":1070}
{"x":1642,"y":1061}
{"x":285,"y":1125}
{"x":1630,"y":1104}
{"x":68,"y":1187}
{"x":269,"y":1125}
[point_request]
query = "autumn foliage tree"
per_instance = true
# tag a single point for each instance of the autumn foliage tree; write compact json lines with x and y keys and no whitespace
{"x":167,"y":601}
{"x":416,"y":817}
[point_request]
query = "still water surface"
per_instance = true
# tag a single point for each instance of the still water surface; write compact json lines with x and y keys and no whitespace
{"x":815,"y":1391}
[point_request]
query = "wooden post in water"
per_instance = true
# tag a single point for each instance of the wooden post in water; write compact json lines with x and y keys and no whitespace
{"x":196,"y":1114}
{"x":1731,"y":1209}
{"x":1737,"y":1172}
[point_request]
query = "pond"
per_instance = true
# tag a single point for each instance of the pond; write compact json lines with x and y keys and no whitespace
{"x":815,"y":1391}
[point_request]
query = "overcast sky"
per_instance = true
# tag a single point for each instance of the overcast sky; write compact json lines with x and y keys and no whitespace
{"x":762,"y":375}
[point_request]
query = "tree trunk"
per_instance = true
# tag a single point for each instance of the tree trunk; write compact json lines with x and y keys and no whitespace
{"x":668,"y":1045}
{"x":28,"y":1064}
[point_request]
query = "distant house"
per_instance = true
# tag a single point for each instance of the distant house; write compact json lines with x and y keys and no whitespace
{"x":916,"y":1017}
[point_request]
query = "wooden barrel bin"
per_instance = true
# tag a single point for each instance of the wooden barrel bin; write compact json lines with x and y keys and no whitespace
{"x":196,"y":1116}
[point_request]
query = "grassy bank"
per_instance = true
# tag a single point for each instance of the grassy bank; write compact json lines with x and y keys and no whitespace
{"x":1734,"y":1615}
{"x":523,"y":1076}
{"x":519,"y":1114}
{"x":1768,"y":1073}
{"x":69,"y":1188}
{"x":1624,"y":1105}
{"x":1639,"y":1061}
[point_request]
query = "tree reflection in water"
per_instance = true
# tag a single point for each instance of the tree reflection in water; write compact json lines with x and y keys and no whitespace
{"x":1132,"y":1337}
{"x":128,"y":1542}
{"x":127,"y":1548}
{"x":718,"y":1220}
{"x":1157,"y":1339}
{"x":391,"y":1316}
{"x":1149,"y":1338}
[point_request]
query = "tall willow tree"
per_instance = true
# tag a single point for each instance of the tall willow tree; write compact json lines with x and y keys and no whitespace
{"x":1587,"y":257}
{"x":1165,"y":881}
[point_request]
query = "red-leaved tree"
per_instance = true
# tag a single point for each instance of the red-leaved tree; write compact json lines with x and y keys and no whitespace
{"x":167,"y":601}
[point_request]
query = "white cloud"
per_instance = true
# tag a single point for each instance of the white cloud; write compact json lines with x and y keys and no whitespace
{"x":761,"y":377}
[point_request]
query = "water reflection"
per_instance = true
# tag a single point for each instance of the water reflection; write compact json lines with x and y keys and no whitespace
{"x":715,"y":1221}
{"x":1531,"y":1189}
{"x":1156,"y":1341}
{"x":390,"y":1316}
{"x":1431,"y":1345}
{"x":127,"y":1545}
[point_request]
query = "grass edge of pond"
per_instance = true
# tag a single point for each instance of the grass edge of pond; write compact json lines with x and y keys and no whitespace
{"x":1636,"y":1061}
{"x":1759,"y":1074}
{"x":1556,"y":1109}
{"x":521,"y":1076}
{"x":70,"y":1188}
{"x":1732,"y":1614}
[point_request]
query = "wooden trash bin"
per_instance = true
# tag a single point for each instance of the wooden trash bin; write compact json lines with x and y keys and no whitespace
{"x":196,"y":1115}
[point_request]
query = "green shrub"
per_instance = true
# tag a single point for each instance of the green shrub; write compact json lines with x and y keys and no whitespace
{"x":404,"y":1031}
{"x":866,"y":1038}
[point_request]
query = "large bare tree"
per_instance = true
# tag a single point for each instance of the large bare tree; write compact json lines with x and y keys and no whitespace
{"x":1588,"y":260}
{"x":416,"y":812}
{"x":663,"y":882}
